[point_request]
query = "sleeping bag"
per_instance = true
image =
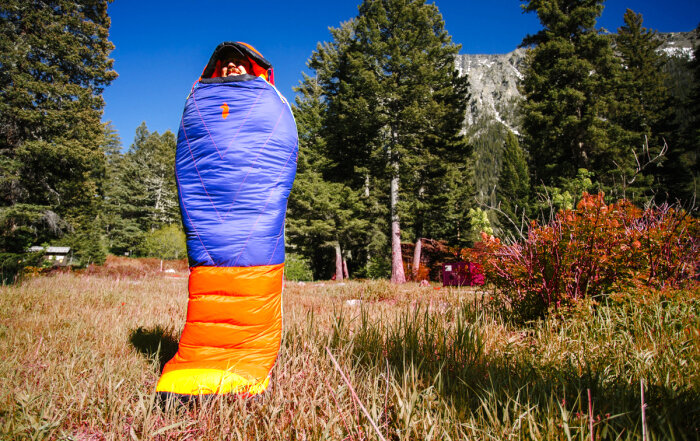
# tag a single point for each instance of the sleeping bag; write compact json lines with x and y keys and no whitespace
{"x":235,"y":164}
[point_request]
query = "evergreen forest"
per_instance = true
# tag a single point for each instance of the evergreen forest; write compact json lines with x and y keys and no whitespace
{"x":387,"y":163}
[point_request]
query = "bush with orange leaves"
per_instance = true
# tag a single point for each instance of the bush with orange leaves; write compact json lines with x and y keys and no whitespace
{"x":594,"y":250}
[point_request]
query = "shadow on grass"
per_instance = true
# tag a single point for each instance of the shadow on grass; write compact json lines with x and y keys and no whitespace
{"x":156,"y":341}
{"x":454,"y":360}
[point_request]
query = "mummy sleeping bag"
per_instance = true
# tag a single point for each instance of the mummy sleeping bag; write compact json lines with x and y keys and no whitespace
{"x":236,"y":161}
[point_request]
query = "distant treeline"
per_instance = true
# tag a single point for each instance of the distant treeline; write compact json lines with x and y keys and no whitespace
{"x":385,"y":157}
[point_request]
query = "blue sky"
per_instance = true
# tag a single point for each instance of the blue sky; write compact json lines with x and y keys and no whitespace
{"x":162,"y":47}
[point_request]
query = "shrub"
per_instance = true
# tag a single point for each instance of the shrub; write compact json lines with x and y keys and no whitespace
{"x":433,"y":254}
{"x":593,"y":250}
{"x":378,"y":267}
{"x":12,"y":265}
{"x":297,"y":268}
{"x":168,"y":242}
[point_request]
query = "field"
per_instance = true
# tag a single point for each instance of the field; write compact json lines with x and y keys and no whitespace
{"x":81,"y":353}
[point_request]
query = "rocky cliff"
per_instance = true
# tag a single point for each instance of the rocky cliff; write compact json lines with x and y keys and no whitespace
{"x":493,"y":81}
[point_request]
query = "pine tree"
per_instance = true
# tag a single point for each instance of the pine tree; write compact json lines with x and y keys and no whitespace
{"x":348,"y":128}
{"x":142,"y":193}
{"x":513,"y":190}
{"x":642,"y":108}
{"x":153,"y":157}
{"x":643,"y":95}
{"x":402,"y":102}
{"x":324,"y":218}
{"x":568,"y":86}
{"x":681,"y":172}
{"x":693,"y":156}
{"x":54,"y":64}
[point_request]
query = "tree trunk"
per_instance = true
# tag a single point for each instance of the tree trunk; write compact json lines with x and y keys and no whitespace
{"x":338,"y":263}
{"x":345,"y":269}
{"x":397,"y":273}
{"x":419,"y":239}
{"x":416,"y":259}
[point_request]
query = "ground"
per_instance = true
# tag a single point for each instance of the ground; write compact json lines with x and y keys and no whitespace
{"x":80,"y":354}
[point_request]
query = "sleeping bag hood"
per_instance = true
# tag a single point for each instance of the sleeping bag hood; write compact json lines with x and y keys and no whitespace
{"x":260,"y":66}
{"x":235,"y":164}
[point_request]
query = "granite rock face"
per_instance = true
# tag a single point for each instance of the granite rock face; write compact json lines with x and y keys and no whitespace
{"x":494,"y":81}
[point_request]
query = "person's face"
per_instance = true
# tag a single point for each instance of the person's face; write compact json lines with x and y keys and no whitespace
{"x":234,"y":66}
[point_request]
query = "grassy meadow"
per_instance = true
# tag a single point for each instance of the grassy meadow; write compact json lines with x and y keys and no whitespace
{"x":80,"y":354}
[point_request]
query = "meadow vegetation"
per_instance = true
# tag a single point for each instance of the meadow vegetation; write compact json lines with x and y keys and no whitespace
{"x":81,"y":353}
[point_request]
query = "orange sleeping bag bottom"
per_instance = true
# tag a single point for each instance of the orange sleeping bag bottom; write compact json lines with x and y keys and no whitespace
{"x":232,"y":334}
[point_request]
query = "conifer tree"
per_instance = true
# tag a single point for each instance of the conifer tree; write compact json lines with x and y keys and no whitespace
{"x":142,"y":193}
{"x":348,"y":128}
{"x":54,"y":64}
{"x":569,"y":78}
{"x":641,"y":109}
{"x":681,"y":172}
{"x":400,"y":100}
{"x":642,"y":92}
{"x":513,"y":190}
{"x":693,"y":151}
{"x":324,"y":218}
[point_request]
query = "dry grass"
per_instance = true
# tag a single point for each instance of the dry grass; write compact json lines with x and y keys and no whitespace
{"x":79,"y":362}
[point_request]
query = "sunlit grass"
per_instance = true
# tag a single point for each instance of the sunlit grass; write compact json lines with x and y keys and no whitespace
{"x":78,"y":361}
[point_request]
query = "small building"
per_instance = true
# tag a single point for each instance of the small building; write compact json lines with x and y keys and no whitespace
{"x":462,"y":274}
{"x":57,"y":255}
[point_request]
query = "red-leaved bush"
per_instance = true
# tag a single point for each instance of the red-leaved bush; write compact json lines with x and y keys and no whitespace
{"x":593,"y":250}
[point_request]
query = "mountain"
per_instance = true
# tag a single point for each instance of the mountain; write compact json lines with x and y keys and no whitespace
{"x":493,"y":83}
{"x":494,"y":79}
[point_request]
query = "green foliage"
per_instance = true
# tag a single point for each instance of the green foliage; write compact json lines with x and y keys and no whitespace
{"x":641,"y":110}
{"x":297,"y":268}
{"x":86,"y":244}
{"x":406,"y":72}
{"x":141,"y":191}
{"x":384,"y":111}
{"x":513,"y":190}
{"x":378,"y":267}
{"x":643,"y":99}
{"x":24,"y":225}
{"x":601,"y":102}
{"x":320,"y":212}
{"x":564,"y":197}
{"x":479,"y":223}
{"x":167,"y":242}
{"x":445,"y":204}
{"x":681,"y":177}
{"x":487,"y":139}
{"x":12,"y":265}
{"x":54,"y":64}
{"x":568,"y":88}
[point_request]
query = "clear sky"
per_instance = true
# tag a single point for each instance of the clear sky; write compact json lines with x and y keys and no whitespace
{"x":162,"y":46}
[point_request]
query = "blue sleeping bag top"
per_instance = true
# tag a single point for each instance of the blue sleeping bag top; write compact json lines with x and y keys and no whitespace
{"x":235,"y":165}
